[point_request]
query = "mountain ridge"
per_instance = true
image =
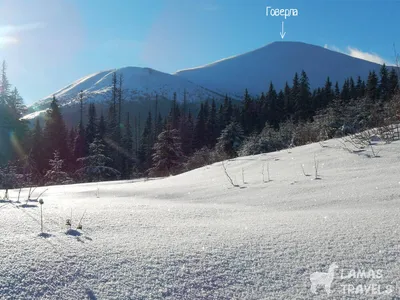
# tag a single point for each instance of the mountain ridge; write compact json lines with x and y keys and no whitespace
{"x":276,"y":62}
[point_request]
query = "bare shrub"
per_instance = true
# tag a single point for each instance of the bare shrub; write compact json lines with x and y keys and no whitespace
{"x":228,"y":176}
{"x":204,"y":157}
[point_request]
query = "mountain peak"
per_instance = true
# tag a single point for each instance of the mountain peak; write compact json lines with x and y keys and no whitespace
{"x":277,"y":62}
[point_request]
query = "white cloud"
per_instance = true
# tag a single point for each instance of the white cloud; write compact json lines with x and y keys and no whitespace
{"x":357,"y":53}
{"x":12,"y":29}
{"x":7,"y":40}
{"x":8,"y":32}
{"x":366,"y":55}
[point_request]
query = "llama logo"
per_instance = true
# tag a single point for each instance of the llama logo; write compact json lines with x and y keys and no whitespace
{"x":324,"y":279}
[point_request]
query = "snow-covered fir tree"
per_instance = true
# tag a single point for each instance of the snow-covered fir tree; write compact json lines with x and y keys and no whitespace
{"x":168,"y":154}
{"x":56,"y":175}
{"x":95,"y":164}
{"x":231,"y":139}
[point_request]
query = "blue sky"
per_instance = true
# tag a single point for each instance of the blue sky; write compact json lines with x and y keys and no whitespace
{"x":50,"y":43}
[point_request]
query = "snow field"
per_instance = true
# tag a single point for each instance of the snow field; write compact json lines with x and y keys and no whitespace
{"x":194,"y":236}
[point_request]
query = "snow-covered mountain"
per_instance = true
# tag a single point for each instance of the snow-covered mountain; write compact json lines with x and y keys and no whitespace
{"x":138,"y":83}
{"x":277,"y":62}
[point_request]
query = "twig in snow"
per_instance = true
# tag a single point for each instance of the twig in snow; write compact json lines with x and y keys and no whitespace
{"x":316,"y":165}
{"x":80,"y":221}
{"x":304,"y":172}
{"x":19,"y":194}
{"x":229,"y":177}
{"x":263,"y":173}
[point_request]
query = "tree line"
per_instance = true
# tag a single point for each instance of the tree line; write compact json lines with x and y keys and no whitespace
{"x":112,"y":145}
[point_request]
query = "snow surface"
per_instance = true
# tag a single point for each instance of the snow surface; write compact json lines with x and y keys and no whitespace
{"x":138,"y":83}
{"x":277,"y":62}
{"x":193,"y":236}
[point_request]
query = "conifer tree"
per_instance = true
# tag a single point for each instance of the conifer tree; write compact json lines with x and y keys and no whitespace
{"x":337,"y":91}
{"x":302,"y":101}
{"x":384,"y":84}
{"x":91,"y":126}
{"x":393,"y":82}
{"x":295,"y":97}
{"x":95,"y":165}
{"x":168,"y":155}
{"x":360,"y":87}
{"x":327,"y":94}
{"x":80,"y":146}
{"x":288,"y":102}
{"x":212,"y":126}
{"x":227,"y":111}
{"x":146,"y":144}
{"x":199,"y":140}
{"x":37,"y":147}
{"x":55,"y":132}
{"x":186,"y":133}
{"x":127,"y":144}
{"x":56,"y":175}
{"x":230,"y":140}
{"x":372,"y":86}
{"x":273,"y":109}
{"x":247,"y":122}
{"x":102,"y":128}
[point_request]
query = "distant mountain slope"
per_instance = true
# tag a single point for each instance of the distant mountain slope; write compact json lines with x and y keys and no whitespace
{"x":276,"y":62}
{"x":139,"y":83}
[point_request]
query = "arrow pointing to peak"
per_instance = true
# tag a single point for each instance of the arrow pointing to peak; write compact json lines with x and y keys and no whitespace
{"x":283,"y":30}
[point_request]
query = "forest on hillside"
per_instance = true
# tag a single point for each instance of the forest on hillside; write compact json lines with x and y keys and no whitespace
{"x":114,"y":145}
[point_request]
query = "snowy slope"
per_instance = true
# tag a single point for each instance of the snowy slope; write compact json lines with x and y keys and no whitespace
{"x":193,"y":236}
{"x":277,"y":62}
{"x":139,"y":83}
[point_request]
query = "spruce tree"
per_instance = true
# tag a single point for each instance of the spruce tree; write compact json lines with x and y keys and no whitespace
{"x":168,"y":155}
{"x":37,"y":148}
{"x":127,"y":144}
{"x":91,"y":126}
{"x":80,"y":146}
{"x":288,"y":102}
{"x":273,"y":109}
{"x":384,"y":84}
{"x":247,"y":122}
{"x":199,"y":138}
{"x":295,"y":97}
{"x":55,"y":133}
{"x":227,"y":111}
{"x":360,"y":87}
{"x":95,"y":165}
{"x":393,"y":82}
{"x":230,"y":140}
{"x":186,"y":133}
{"x":327,"y":94}
{"x":303,"y":99}
{"x":212,"y":126}
{"x":146,"y":144}
{"x":372,"y":87}
{"x":56,"y":175}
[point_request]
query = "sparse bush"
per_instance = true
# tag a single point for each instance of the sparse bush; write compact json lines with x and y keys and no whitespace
{"x":306,"y":133}
{"x":204,"y":157}
{"x":269,"y":140}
